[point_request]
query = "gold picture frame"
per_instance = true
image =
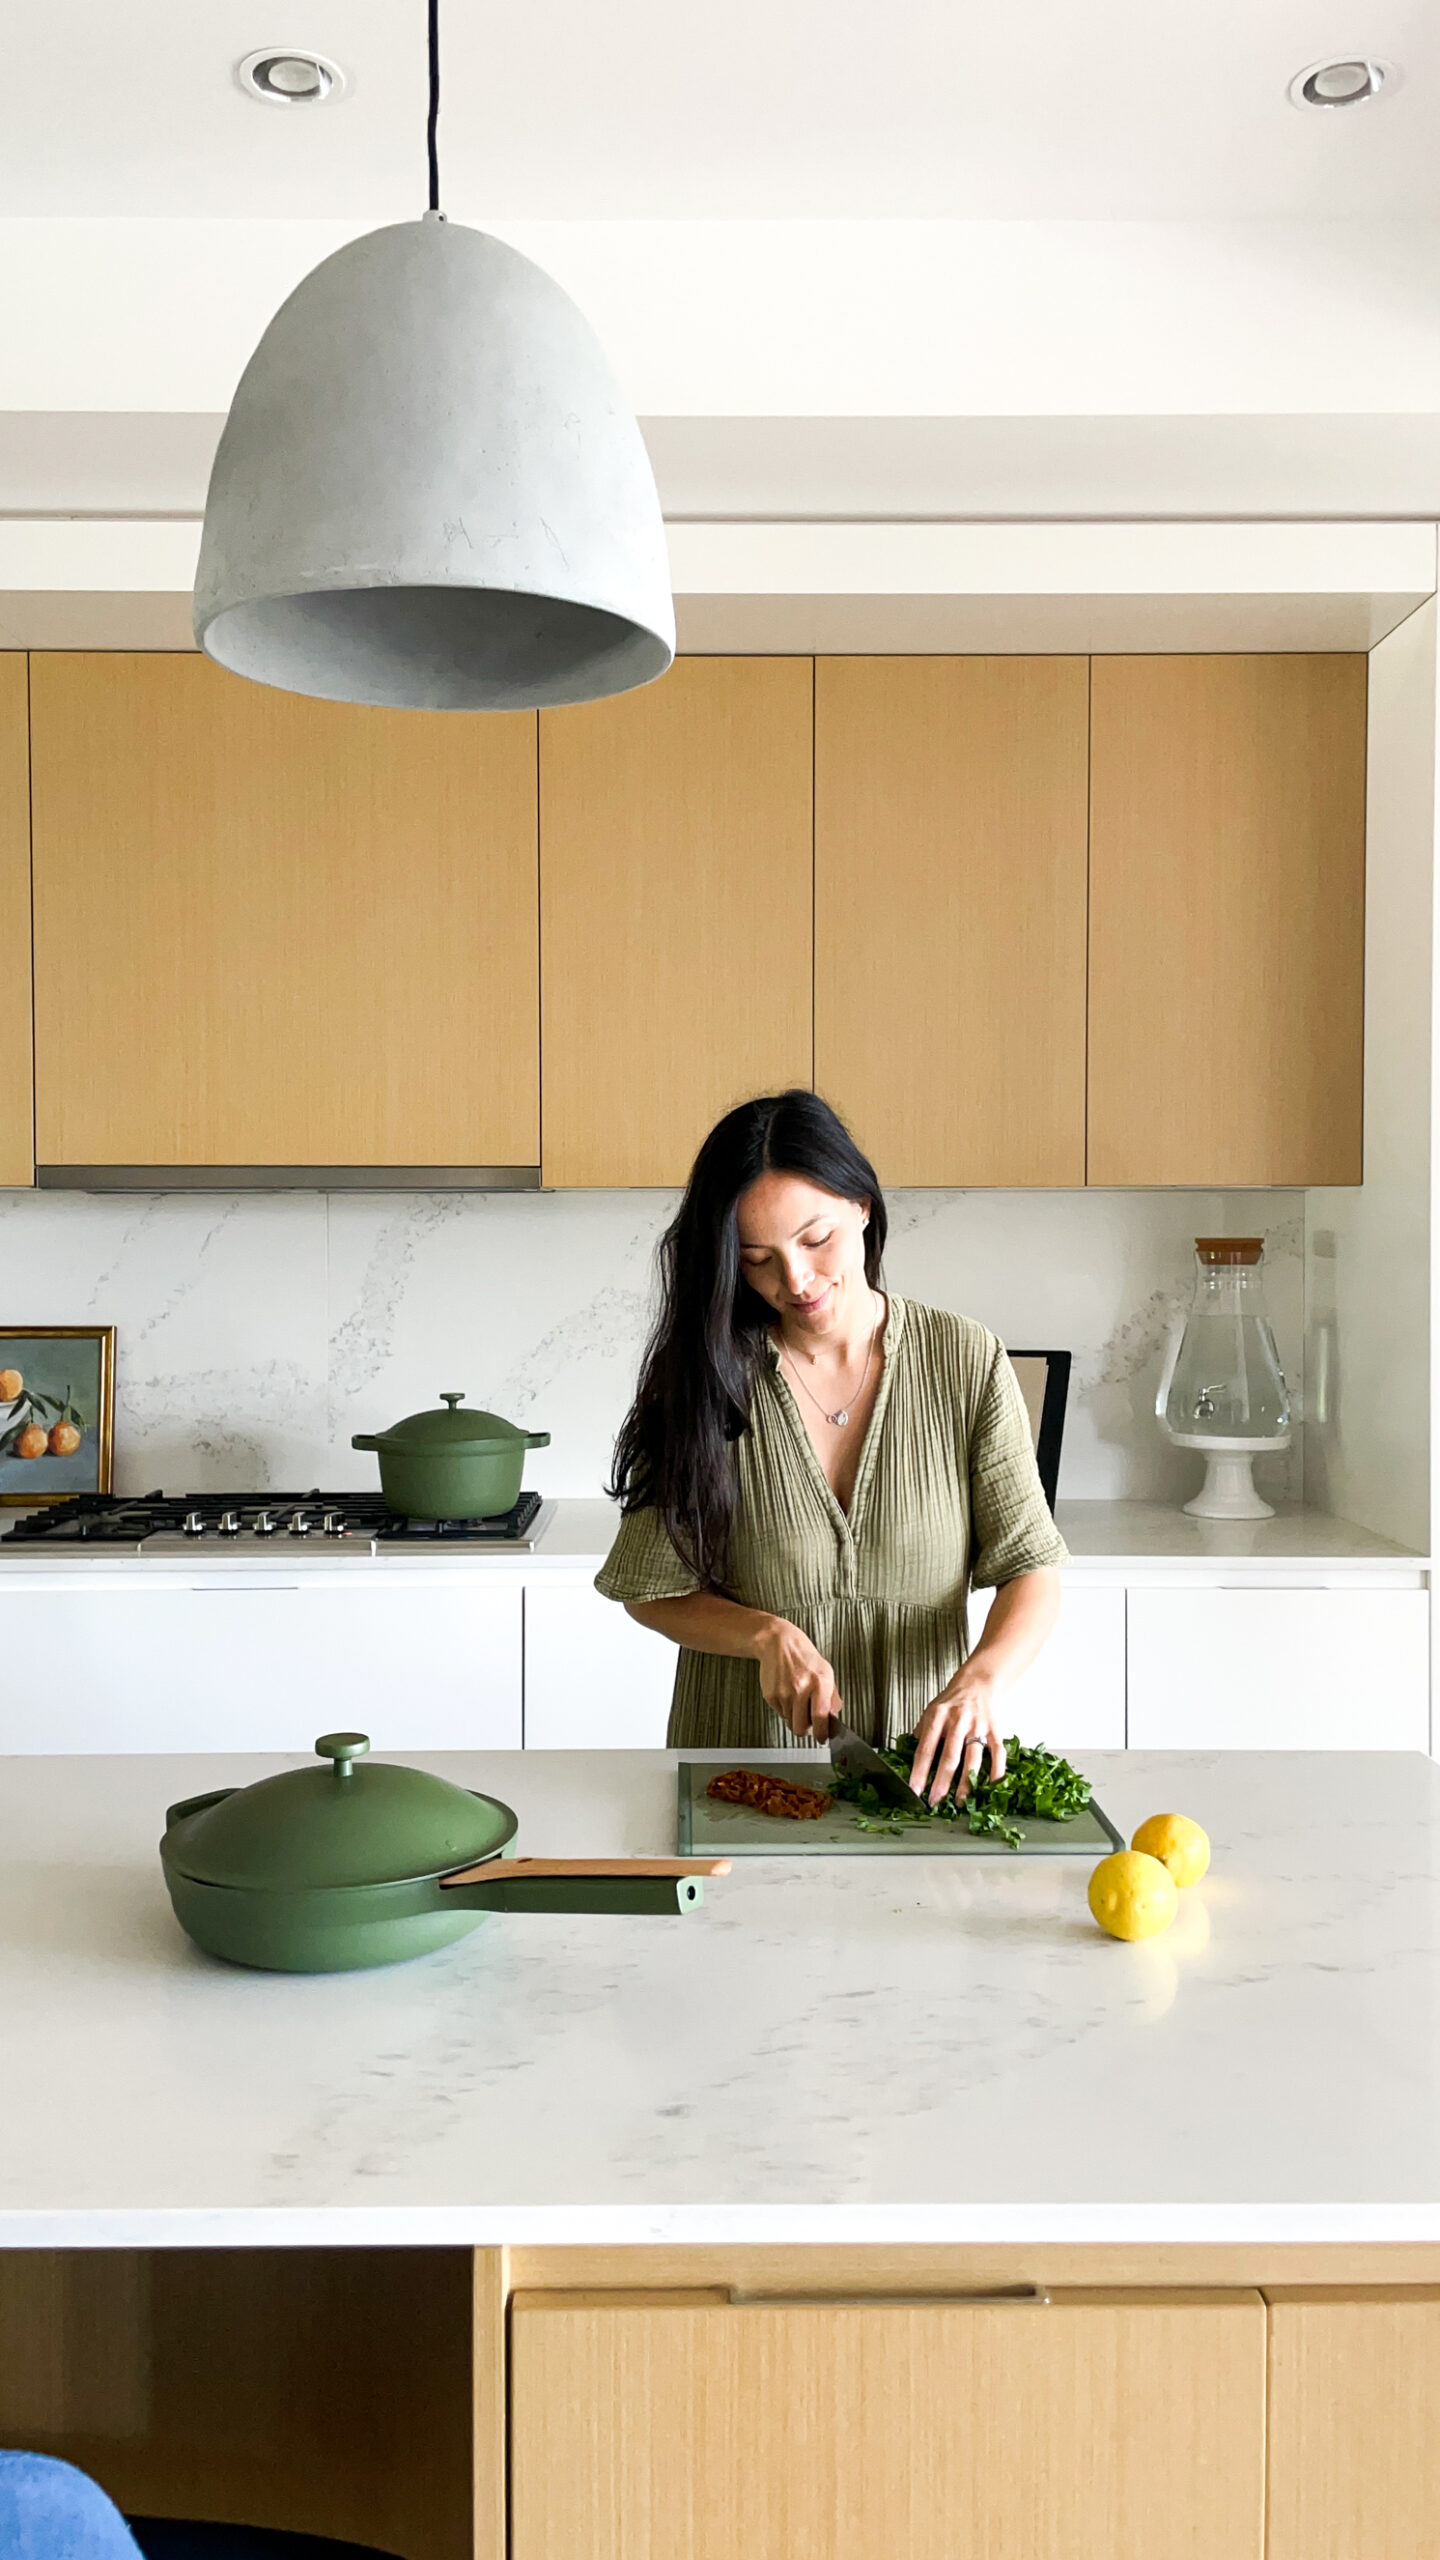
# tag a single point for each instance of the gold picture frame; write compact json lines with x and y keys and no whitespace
{"x":67,"y":1397}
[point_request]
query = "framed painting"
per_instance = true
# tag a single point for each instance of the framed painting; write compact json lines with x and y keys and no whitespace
{"x":57,"y":1411}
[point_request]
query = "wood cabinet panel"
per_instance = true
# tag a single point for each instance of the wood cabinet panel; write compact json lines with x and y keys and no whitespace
{"x":1354,"y":2451}
{"x":1087,"y":2428}
{"x":950,"y":893}
{"x":17,"y":1083}
{"x":276,"y":931}
{"x":1227,"y":887}
{"x":676,"y":913}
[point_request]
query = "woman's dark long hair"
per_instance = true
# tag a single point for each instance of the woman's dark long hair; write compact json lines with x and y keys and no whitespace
{"x":676,"y":1450}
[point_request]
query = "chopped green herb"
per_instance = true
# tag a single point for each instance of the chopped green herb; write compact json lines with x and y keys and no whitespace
{"x":1036,"y":1782}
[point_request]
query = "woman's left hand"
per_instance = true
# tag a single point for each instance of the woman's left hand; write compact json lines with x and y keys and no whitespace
{"x":956,"y":1731}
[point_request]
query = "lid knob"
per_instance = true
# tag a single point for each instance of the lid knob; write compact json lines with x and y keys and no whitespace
{"x":452,"y":1401}
{"x":343,"y":1748}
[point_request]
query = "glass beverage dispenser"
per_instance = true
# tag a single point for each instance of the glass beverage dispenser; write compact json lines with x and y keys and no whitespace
{"x":1222,"y":1390}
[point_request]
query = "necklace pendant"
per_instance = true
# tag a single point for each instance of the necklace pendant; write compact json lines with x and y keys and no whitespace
{"x":839,"y":1419}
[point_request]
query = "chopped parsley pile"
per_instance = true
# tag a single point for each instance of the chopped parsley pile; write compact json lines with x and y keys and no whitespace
{"x":1036,"y":1782}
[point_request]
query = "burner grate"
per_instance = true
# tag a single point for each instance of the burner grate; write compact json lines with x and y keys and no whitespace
{"x":259,"y":1519}
{"x":393,"y":1529}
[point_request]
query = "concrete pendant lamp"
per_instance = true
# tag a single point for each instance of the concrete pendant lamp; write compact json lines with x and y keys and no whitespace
{"x":429,"y":492}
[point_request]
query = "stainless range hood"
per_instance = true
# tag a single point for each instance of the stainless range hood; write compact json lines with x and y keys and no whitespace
{"x":287,"y":1177}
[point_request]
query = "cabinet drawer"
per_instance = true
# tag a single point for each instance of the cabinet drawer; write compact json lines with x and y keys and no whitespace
{"x":1073,"y":1698}
{"x":1279,"y":1670}
{"x":1090,"y":2427}
{"x":594,"y":1680}
{"x":229,"y":1665}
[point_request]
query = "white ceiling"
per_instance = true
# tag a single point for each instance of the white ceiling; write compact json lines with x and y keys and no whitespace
{"x":1142,"y":109}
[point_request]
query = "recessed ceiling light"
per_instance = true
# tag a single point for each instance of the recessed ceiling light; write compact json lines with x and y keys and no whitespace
{"x":1347,"y":81}
{"x":283,"y":77}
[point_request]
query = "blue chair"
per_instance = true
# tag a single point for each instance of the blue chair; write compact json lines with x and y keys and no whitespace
{"x":51,"y":2511}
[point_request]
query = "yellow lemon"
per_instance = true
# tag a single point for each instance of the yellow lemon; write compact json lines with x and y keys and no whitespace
{"x":1133,"y":1896}
{"x":1178,"y":1843}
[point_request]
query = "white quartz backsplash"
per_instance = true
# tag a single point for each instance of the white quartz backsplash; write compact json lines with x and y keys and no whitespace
{"x":257,"y":1332}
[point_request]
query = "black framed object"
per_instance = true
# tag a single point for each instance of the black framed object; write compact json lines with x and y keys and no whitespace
{"x":1045,"y":1385}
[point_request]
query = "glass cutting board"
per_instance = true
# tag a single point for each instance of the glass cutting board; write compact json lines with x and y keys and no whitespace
{"x":706,"y":1828}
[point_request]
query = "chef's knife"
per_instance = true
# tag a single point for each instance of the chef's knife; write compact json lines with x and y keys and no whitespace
{"x":859,"y":1760}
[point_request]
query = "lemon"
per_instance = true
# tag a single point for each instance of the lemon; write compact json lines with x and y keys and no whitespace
{"x":1178,"y":1843}
{"x":1133,"y":1896}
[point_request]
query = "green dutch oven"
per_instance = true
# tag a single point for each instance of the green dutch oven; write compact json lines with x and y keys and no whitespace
{"x":330,"y":1868}
{"x":447,"y":1465}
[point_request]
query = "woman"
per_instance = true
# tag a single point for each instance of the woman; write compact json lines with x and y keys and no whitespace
{"x":813,"y":1473}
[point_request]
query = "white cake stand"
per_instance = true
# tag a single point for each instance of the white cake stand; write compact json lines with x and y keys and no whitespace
{"x":1228,"y":1492}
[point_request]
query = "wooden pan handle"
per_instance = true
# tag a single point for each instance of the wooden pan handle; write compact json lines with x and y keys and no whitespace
{"x":505,"y":1870}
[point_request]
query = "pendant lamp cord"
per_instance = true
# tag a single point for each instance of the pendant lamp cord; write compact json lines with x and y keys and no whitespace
{"x":431,"y":144}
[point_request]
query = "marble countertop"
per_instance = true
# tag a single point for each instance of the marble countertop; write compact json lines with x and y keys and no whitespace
{"x":869,"y":2050}
{"x":1114,"y":1540}
{"x":1158,"y":1533}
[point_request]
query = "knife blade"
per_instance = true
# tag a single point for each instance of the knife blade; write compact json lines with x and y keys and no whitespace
{"x":859,"y":1759}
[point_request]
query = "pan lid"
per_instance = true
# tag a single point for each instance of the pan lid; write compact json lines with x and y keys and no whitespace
{"x":346,"y":1821}
{"x":444,"y":1426}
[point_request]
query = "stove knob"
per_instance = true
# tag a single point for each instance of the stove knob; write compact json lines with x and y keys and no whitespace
{"x":229,"y":1524}
{"x":195,"y":1524}
{"x":333,"y":1524}
{"x":264,"y":1524}
{"x":299,"y":1524}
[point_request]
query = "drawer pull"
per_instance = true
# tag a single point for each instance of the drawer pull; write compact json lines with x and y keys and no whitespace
{"x":1020,"y":2297}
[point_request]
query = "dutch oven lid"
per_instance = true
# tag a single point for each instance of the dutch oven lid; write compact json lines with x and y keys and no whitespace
{"x":443,"y":1426}
{"x":336,"y":1824}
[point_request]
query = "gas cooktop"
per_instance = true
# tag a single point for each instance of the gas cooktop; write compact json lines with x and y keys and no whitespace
{"x":256,"y":1523}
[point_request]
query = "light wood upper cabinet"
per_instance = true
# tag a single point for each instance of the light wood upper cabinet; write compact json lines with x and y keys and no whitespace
{"x":1354,"y":2452}
{"x":17,"y":1162}
{"x":276,"y":931}
{"x":1227,"y":880}
{"x":950,"y":914}
{"x":675,"y":834}
{"x":269,"y":931}
{"x":1100,"y":2427}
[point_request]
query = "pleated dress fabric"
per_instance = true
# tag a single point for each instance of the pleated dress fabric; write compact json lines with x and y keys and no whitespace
{"x":947,"y":1498}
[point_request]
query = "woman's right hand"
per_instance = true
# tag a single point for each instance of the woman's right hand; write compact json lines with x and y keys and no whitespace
{"x":797,"y":1681}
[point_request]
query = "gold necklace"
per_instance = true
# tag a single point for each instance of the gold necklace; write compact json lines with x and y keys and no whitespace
{"x":841,"y":1415}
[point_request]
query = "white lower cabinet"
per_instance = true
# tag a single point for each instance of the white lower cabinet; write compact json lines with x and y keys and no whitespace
{"x":594,"y":1680}
{"x":231,"y":1665}
{"x":224,"y":1662}
{"x":1073,"y":1698}
{"x":1240,"y":1670}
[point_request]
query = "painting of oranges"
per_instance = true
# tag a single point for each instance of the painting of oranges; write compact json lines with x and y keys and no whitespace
{"x":56,"y":1396}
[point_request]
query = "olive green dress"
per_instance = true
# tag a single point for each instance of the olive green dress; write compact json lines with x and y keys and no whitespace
{"x":946,"y":1496}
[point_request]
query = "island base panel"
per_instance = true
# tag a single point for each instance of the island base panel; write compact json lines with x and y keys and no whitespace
{"x":670,"y":2402}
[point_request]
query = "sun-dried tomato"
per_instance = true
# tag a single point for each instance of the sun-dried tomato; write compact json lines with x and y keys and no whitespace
{"x":769,"y":1794}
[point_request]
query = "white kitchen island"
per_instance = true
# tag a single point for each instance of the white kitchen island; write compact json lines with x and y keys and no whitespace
{"x":842,"y":2049}
{"x":688,"y":2165}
